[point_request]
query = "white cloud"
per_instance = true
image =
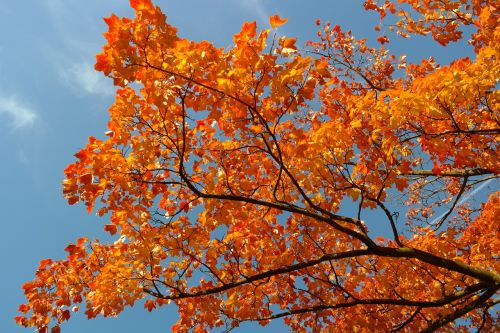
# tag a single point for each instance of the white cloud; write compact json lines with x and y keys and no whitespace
{"x":19,"y":113}
{"x":72,"y":58}
{"x":83,"y":78}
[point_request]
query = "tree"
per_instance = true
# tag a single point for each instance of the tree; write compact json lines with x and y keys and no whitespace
{"x":241,"y":183}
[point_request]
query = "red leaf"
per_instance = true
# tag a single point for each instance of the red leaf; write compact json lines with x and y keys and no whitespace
{"x":392,"y":8}
{"x":20,"y":320}
{"x":150,"y":305}
{"x":184,"y":206}
{"x":24,"y":308}
{"x":73,"y":200}
{"x":111,"y":228}
{"x":44,"y":263}
{"x":370,"y":5}
{"x":81,"y":155}
{"x":86,"y":179}
{"x":70,"y":248}
{"x":383,"y":39}
{"x":436,"y":169}
{"x":65,"y":315}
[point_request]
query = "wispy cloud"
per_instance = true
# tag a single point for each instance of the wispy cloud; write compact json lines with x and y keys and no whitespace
{"x":18,"y":113}
{"x":55,"y":7}
{"x":72,"y":58}
{"x":258,"y":7}
{"x":83,"y":78}
{"x":262,"y":13}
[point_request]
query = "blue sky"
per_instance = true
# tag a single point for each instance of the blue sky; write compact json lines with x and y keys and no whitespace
{"x":51,"y":100}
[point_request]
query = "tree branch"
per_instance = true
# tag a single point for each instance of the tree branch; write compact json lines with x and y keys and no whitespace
{"x":264,"y":275}
{"x":451,"y":173}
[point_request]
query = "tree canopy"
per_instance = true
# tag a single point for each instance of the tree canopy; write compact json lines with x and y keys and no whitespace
{"x":245,"y":183}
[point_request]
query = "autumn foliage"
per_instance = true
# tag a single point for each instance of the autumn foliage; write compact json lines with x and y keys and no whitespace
{"x":329,"y":184}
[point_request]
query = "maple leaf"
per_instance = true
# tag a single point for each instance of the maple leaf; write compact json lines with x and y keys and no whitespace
{"x":276,"y":21}
{"x":141,"y":4}
{"x":150,"y":305}
{"x":111,"y":228}
{"x":383,"y":39}
{"x":248,"y":31}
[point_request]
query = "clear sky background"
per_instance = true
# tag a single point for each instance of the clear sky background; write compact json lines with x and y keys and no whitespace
{"x":51,"y":100}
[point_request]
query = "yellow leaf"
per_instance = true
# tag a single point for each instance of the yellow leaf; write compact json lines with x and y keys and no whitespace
{"x":356,"y":123}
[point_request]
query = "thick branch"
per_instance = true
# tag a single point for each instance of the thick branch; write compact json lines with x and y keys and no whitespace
{"x":429,"y":258}
{"x":264,"y":275}
{"x":397,"y":302}
{"x":451,"y":173}
{"x":480,"y":302}
{"x":330,"y":220}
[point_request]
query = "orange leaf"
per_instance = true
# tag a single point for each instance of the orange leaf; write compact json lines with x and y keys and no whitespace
{"x":141,"y":4}
{"x":248,"y":31}
{"x":276,"y":21}
{"x":289,"y":43}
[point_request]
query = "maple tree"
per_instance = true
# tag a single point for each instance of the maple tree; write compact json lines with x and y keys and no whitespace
{"x":226,"y":172}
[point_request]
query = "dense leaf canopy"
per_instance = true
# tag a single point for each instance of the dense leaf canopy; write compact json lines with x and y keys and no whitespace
{"x":240,"y":183}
